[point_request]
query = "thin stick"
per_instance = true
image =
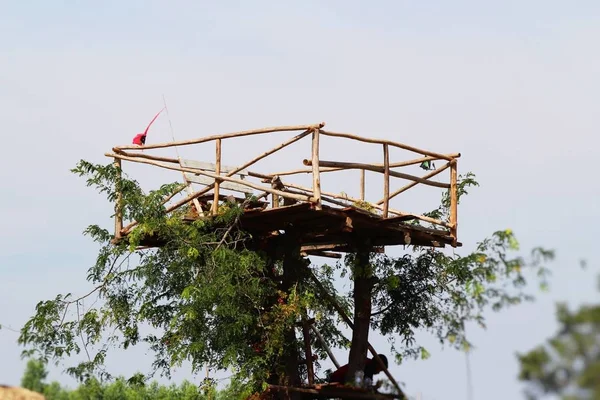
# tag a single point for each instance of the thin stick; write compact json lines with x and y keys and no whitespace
{"x":405,"y":188}
{"x":386,"y":180}
{"x":325,"y":346}
{"x":342,"y":313}
{"x":304,"y":171}
{"x":389,"y":142}
{"x":231,"y":173}
{"x":118,"y":203}
{"x":374,"y":168}
{"x":215,"y":205}
{"x":362,"y":185}
{"x":223,"y":136}
{"x":315,"y":165}
{"x":453,"y":202}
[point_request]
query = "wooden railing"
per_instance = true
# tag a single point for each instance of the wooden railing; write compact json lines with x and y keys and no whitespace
{"x":214,"y":180}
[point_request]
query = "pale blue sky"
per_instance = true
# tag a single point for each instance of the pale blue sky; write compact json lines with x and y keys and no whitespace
{"x":512,"y":85}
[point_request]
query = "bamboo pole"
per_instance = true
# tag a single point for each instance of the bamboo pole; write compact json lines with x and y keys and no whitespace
{"x":412,"y":184}
{"x":377,"y":206}
{"x":392,"y":165}
{"x":454,"y":202}
{"x":223,"y":136}
{"x":388,"y":142}
{"x":386,"y":180}
{"x":215,"y":205}
{"x":308,"y":353}
{"x":223,"y":178}
{"x":231,"y":173}
{"x":315,"y":165}
{"x":362,"y":185}
{"x":346,"y":319}
{"x":370,"y":167}
{"x":325,"y":346}
{"x":118,"y":202}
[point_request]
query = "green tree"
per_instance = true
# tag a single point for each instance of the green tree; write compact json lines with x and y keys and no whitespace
{"x":215,"y":298}
{"x":34,"y":376}
{"x":568,"y":364}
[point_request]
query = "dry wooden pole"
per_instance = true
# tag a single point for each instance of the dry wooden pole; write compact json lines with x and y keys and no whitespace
{"x":389,"y":142}
{"x":412,"y":184}
{"x":371,"y":167}
{"x":223,"y":136}
{"x":315,"y":165}
{"x":386,"y":180}
{"x":325,"y":346}
{"x":231,"y":173}
{"x":118,"y":202}
{"x":145,"y":155}
{"x":342,"y":313}
{"x":308,"y":353}
{"x":392,"y":165}
{"x":453,"y":202}
{"x":362,"y":184}
{"x":215,"y":205}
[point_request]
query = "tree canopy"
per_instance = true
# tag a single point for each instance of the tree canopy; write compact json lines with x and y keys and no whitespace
{"x":568,"y":363}
{"x":210,"y":296}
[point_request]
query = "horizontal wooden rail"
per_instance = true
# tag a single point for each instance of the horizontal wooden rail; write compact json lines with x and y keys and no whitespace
{"x":427,"y":176}
{"x":388,"y":142}
{"x":371,"y":167}
{"x":222,"y":136}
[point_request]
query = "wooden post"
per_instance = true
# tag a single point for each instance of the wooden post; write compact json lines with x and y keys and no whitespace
{"x":362,"y":184}
{"x":386,"y":180}
{"x":315,"y":167}
{"x":215,"y":206}
{"x":119,"y":201}
{"x":308,"y":353}
{"x":453,"y":202}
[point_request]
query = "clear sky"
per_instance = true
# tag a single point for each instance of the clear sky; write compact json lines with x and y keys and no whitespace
{"x":512,"y":85}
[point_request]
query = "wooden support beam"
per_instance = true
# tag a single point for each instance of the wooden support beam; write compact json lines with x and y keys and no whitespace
{"x":308,"y":353}
{"x":342,"y":313}
{"x":454,"y":202}
{"x":389,"y":142}
{"x":215,"y":205}
{"x":362,"y":185}
{"x":118,"y":202}
{"x":222,"y":136}
{"x":386,"y":180}
{"x":315,"y":165}
{"x":325,"y":346}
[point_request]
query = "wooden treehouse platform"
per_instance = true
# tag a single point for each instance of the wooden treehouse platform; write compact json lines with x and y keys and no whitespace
{"x":326,"y":223}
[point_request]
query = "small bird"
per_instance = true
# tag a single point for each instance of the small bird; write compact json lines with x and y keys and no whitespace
{"x":140,"y":138}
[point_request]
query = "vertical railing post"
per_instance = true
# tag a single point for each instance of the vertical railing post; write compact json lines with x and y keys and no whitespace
{"x":119,"y":201}
{"x":315,"y":169}
{"x":386,"y":180}
{"x":215,"y":206}
{"x":362,"y":184}
{"x":453,"y":202}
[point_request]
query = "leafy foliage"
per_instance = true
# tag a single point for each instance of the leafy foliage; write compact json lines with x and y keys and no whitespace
{"x":568,"y":364}
{"x":206,"y":298}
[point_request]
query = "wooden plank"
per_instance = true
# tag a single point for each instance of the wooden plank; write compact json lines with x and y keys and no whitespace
{"x":206,"y":166}
{"x":205,"y":180}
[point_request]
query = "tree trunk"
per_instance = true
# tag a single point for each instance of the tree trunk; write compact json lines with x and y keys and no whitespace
{"x":363,"y":286}
{"x":292,"y":265}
